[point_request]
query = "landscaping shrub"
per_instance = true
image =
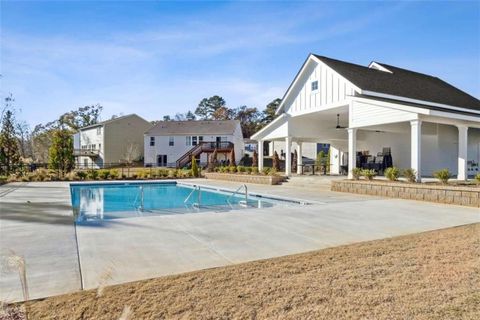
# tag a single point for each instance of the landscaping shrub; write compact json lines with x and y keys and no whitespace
{"x":273,"y":172}
{"x":143,"y":173}
{"x":92,"y":174}
{"x":81,"y":175}
{"x":369,"y":174}
{"x":443,"y":175}
{"x":392,"y":173}
{"x":241,"y":169}
{"x":266,"y":170}
{"x":162,"y":173}
{"x":114,"y":173}
{"x":477,"y":178}
{"x":254,"y":170}
{"x":40,"y":174}
{"x":410,"y":174}
{"x":172,"y":173}
{"x":232,"y":169}
{"x":104,"y":174}
{"x":357,"y":173}
{"x":248,"y":170}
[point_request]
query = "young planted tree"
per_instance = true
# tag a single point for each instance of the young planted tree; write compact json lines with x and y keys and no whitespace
{"x":194,"y":167}
{"x":9,"y":152}
{"x":255,"y":158}
{"x":295,"y":160}
{"x":61,"y":152}
{"x":212,"y":163}
{"x":232,"y":158}
{"x":276,"y":161}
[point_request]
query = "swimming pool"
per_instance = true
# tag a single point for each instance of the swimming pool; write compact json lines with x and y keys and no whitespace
{"x":106,"y":201}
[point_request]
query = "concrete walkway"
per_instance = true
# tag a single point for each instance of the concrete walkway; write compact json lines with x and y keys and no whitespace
{"x":36,"y":223}
{"x":137,"y":248}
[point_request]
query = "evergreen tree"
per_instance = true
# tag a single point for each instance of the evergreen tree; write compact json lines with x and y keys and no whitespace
{"x":208,"y":108}
{"x":9,"y":152}
{"x":61,"y":151}
{"x":194,"y":167}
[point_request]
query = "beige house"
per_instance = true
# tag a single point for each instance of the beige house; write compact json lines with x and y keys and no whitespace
{"x":110,"y":142}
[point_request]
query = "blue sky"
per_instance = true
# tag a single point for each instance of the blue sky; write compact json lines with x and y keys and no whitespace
{"x":155,"y":58}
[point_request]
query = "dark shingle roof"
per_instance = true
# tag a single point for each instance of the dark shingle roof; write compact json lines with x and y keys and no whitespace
{"x":403,"y":83}
{"x":199,"y":127}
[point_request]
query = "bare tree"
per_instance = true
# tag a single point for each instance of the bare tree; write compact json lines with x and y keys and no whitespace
{"x":24,"y":139}
{"x":132,"y":153}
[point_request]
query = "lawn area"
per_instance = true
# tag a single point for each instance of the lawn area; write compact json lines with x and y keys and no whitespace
{"x":422,"y":276}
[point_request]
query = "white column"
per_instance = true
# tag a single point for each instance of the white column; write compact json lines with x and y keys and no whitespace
{"x":288,"y":156}
{"x":299,"y":157}
{"x":416,"y":147}
{"x":271,"y":149}
{"x":260,"y":155}
{"x":462,"y":152}
{"x":352,"y":151}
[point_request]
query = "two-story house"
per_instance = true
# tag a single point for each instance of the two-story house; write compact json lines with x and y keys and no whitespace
{"x":173,"y":143}
{"x":110,"y":142}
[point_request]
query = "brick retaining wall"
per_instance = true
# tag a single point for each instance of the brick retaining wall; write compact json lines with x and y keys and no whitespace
{"x":459,"y":195}
{"x":245,"y":178}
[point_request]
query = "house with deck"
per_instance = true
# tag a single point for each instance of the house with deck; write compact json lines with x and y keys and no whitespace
{"x":173,"y":143}
{"x":376,"y":116}
{"x":111,"y":142}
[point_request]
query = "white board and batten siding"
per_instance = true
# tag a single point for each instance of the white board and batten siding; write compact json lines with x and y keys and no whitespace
{"x":333,"y":90}
{"x":363,"y":114}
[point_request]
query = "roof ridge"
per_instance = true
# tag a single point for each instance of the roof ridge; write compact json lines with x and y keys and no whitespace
{"x":408,"y":70}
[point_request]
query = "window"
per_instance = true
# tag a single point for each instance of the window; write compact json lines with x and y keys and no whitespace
{"x":171,"y":141}
{"x":152,"y":141}
{"x":94,"y":146}
{"x":194,"y":140}
{"x":224,"y":139}
{"x":188,"y":140}
{"x":85,"y":162}
{"x":314,"y":85}
{"x":99,"y":131}
{"x":200,"y":139}
{"x":99,"y":146}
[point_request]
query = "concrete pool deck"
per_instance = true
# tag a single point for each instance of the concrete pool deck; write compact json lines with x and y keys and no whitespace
{"x":123,"y":250}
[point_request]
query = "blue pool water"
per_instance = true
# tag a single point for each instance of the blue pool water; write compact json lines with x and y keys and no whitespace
{"x":121,"y":200}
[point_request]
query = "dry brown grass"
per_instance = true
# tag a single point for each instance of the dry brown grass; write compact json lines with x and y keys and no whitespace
{"x":433,"y":275}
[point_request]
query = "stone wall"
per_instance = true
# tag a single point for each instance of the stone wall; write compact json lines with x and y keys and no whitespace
{"x":245,"y":178}
{"x":459,"y":195}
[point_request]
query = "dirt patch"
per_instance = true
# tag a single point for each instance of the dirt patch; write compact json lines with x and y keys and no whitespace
{"x":433,"y":275}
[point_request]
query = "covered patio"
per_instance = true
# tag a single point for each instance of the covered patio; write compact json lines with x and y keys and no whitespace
{"x":373,"y":131}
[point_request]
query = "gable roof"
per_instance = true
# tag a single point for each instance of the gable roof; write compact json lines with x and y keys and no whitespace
{"x":194,"y":127}
{"x":110,"y":121}
{"x":402,"y":83}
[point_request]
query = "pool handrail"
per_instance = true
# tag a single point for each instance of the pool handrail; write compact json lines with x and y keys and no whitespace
{"x":198,"y":197}
{"x":236,"y":191}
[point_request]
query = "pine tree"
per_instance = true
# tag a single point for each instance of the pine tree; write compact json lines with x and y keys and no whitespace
{"x":61,"y":152}
{"x":9,"y":152}
{"x":194,"y":167}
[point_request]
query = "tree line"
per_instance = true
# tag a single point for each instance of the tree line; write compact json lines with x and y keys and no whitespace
{"x":52,"y":142}
{"x":215,"y":108}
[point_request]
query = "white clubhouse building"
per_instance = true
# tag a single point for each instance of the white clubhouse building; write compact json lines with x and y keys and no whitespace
{"x":423,"y":122}
{"x":173,"y":143}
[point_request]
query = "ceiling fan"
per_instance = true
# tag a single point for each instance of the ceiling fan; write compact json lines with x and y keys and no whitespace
{"x":338,"y":127}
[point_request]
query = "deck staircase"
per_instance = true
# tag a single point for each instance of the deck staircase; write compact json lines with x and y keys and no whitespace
{"x":208,"y":147}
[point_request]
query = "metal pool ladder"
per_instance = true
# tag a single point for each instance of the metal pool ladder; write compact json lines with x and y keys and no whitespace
{"x":243,"y":203}
{"x":199,"y":197}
